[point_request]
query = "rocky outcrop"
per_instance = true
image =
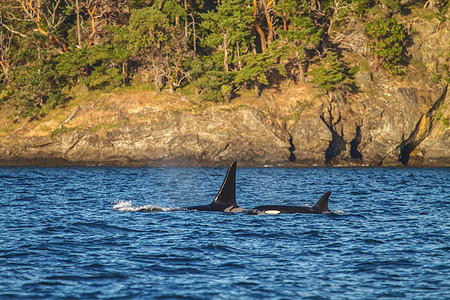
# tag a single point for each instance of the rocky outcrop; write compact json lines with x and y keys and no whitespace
{"x":212,"y":138}
{"x":387,"y":123}
{"x":393,"y":127}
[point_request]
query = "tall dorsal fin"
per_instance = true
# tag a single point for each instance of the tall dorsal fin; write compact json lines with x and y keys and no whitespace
{"x":322,"y":205}
{"x":227,"y":193}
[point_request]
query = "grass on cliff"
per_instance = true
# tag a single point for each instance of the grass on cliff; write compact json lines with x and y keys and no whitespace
{"x":101,"y":111}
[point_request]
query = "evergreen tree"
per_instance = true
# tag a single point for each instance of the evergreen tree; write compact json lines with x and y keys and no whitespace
{"x":229,"y":32}
{"x":258,"y":65}
{"x":388,"y":39}
{"x":228,"y":28}
{"x":34,"y":83}
{"x":330,"y":73}
{"x":159,"y":37}
{"x":48,"y":46}
{"x":298,"y":30}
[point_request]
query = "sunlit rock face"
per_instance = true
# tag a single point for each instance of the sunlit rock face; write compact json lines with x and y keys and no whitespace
{"x":388,"y":121}
{"x":402,"y":127}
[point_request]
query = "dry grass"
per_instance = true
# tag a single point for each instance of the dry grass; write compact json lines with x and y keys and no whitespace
{"x":97,"y":111}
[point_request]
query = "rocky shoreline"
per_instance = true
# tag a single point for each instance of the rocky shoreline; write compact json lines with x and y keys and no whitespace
{"x":390,"y":121}
{"x":363,"y":132}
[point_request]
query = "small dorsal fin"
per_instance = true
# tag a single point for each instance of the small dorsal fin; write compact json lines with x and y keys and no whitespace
{"x":322,"y":205}
{"x":227,"y":194}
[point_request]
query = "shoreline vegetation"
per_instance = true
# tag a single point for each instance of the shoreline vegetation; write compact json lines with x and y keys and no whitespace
{"x":276,"y":83}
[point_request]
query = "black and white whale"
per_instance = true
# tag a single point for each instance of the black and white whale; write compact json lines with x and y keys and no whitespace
{"x":226,"y":198}
{"x":321,"y":207}
{"x":225,"y":201}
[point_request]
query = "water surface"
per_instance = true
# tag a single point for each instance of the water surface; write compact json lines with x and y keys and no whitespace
{"x":77,"y":233}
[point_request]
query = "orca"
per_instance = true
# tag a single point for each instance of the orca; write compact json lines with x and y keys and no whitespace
{"x":321,"y":207}
{"x":226,"y":198}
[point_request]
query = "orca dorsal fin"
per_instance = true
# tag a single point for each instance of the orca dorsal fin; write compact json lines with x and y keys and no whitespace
{"x":322,"y":205}
{"x":227,"y":193}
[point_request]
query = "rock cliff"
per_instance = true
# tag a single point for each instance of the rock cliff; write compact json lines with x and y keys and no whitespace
{"x":214,"y":137}
{"x":388,"y":122}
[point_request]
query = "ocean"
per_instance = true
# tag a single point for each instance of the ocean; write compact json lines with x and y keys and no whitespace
{"x":118,"y":233}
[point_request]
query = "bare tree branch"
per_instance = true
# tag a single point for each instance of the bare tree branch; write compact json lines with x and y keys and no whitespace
{"x":12,"y":30}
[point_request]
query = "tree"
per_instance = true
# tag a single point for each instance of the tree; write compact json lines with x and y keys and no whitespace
{"x":74,"y":66}
{"x":227,"y":36}
{"x":258,"y":65}
{"x":388,"y":40}
{"x":299,"y":31}
{"x":47,"y":15}
{"x":5,"y":56}
{"x":101,"y":13}
{"x":267,"y":7}
{"x":211,"y":82}
{"x":360,"y":7}
{"x":228,"y":27}
{"x":330,"y":73}
{"x":157,"y":33}
{"x":389,"y":6}
{"x":339,"y":11}
{"x":34,"y":82}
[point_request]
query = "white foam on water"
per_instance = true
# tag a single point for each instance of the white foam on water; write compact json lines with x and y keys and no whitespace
{"x":122,"y":205}
{"x":128,"y":206}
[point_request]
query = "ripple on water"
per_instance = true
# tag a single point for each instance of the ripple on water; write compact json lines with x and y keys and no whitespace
{"x":66,"y":237}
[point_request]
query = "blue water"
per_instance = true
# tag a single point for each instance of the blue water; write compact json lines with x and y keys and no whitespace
{"x":77,"y":233}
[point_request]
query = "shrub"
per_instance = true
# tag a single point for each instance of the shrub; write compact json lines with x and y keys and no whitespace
{"x":330,"y":73}
{"x":388,"y":40}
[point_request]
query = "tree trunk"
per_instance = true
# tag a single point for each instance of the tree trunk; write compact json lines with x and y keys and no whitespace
{"x":186,"y":21}
{"x":431,"y":4}
{"x":315,"y":5}
{"x":256,"y":87}
{"x":124,"y":73}
{"x":91,"y":13}
{"x":269,"y":22}
{"x":225,"y":49}
{"x":258,"y":29}
{"x":238,"y":50}
{"x":5,"y":67}
{"x":157,"y":88}
{"x":285,"y":21}
{"x":302,"y":72}
{"x":171,"y":87}
{"x":262,"y":37}
{"x":78,"y":24}
{"x":195,"y":37}
{"x":385,"y":9}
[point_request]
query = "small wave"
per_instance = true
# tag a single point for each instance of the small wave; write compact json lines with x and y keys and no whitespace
{"x":373,"y":242}
{"x":128,"y":206}
{"x":218,"y":247}
{"x":99,"y":227}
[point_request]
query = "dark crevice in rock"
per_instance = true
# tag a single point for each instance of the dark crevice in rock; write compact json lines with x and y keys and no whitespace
{"x":292,"y":157}
{"x":405,"y":152}
{"x":354,"y":153}
{"x":337,"y":143}
{"x":418,"y":135}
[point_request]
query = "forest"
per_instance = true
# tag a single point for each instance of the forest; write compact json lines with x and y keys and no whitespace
{"x":214,"y":48}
